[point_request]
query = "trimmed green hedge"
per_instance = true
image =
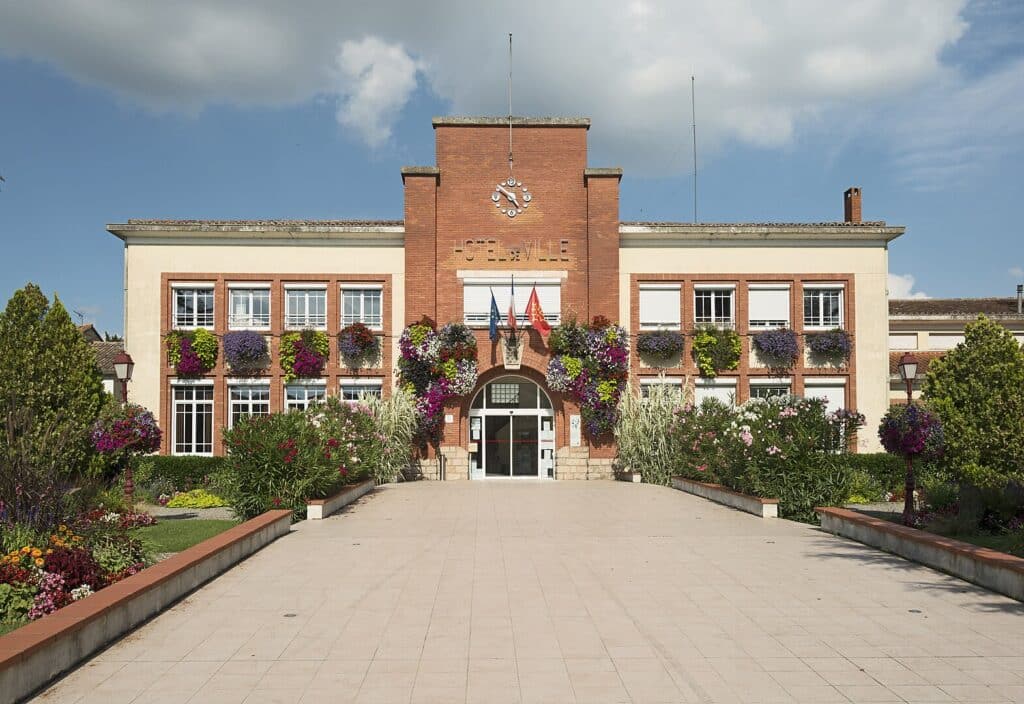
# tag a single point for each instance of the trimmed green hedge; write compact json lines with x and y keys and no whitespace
{"x":178,"y":472}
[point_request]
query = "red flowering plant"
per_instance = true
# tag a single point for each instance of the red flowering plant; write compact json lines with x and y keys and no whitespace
{"x":358,"y":346}
{"x":911,"y":431}
{"x":126,"y":430}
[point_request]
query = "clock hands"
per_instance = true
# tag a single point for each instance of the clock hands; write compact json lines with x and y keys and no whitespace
{"x":510,"y":196}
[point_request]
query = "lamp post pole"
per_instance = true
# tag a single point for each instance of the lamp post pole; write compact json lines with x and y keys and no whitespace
{"x":123,"y":367}
{"x":908,"y":371}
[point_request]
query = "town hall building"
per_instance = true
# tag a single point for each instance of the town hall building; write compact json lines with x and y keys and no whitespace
{"x":470,"y":225}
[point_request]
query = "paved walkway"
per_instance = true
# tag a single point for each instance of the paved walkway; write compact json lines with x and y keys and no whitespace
{"x":564,"y":592}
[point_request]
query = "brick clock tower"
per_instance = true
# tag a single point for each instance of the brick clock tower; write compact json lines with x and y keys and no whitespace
{"x":472,"y":221}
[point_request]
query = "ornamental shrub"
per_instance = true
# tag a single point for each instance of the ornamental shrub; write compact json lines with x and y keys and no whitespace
{"x":197,"y":498}
{"x":977,"y":390}
{"x":716,"y":349}
{"x":245,"y":350}
{"x":779,"y":348}
{"x":660,"y":345}
{"x":357,"y":345}
{"x":178,"y":472}
{"x":191,"y":352}
{"x":833,"y":345}
{"x":304,"y":354}
{"x":48,"y":374}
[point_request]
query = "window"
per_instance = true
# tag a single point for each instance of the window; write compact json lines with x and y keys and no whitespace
{"x":723,"y":390}
{"x":833,"y":391}
{"x":247,"y":400}
{"x":659,"y":306}
{"x":646,"y":384}
{"x":193,"y":420}
{"x":903,"y":341}
{"x":713,"y":306}
{"x":823,"y":307}
{"x":193,"y":306}
{"x":361,"y":305}
{"x":476,"y":300}
{"x":297,"y":397}
{"x":249,"y":308}
{"x":306,"y":308}
{"x":770,"y":388}
{"x":944,"y":341}
{"x":353,"y":390}
{"x":768,"y":306}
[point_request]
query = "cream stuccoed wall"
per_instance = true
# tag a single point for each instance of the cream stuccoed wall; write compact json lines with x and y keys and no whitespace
{"x":868,"y":263}
{"x":144,"y":264}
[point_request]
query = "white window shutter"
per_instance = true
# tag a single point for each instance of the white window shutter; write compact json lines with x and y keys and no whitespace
{"x":833,"y":394}
{"x":769,"y":307}
{"x":659,"y":307}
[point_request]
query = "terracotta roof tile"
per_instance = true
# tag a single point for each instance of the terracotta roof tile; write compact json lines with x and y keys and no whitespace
{"x":960,"y":307}
{"x":105,"y":353}
{"x":924,"y":359}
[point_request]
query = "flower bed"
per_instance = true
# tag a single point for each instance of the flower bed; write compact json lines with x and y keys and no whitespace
{"x":191,"y":352}
{"x":590,"y":364}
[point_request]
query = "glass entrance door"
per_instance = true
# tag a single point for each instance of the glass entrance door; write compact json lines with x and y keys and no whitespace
{"x":511,"y":430}
{"x":511,"y":446}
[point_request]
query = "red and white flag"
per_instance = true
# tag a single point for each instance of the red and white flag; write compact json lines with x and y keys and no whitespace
{"x":536,"y":315}
{"x":512,"y":309}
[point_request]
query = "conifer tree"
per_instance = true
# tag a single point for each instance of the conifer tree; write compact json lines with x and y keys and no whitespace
{"x":48,"y":370}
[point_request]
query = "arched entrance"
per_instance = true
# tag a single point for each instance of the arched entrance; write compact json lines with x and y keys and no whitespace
{"x":512,"y":428}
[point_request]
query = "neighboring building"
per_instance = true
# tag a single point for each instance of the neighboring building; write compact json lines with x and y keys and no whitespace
{"x":105,"y":354}
{"x":462,"y":237}
{"x":929,"y":327}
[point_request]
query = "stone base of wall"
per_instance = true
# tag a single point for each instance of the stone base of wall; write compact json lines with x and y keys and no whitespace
{"x":456,"y":464}
{"x":576,"y":463}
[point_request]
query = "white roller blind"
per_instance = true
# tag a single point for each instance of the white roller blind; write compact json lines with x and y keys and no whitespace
{"x":726,"y":393}
{"x":834,"y":395}
{"x":903,"y":341}
{"x":769,"y":307}
{"x":659,"y":308}
{"x":476,"y":302}
{"x":943,"y":342}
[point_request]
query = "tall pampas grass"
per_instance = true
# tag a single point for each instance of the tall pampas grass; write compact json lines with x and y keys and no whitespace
{"x":642,"y":432}
{"x":396,"y":422}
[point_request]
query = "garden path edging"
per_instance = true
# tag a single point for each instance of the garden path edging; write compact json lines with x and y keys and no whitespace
{"x":41,"y":650}
{"x":764,"y":508}
{"x":318,"y":509}
{"x":987,"y":568}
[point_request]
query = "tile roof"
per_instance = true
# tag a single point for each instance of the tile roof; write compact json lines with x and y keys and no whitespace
{"x":105,"y":353}
{"x":954,"y":307}
{"x":89,"y":332}
{"x":924,"y":359}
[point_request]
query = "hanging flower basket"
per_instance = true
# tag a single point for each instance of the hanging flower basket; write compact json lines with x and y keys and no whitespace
{"x":358,"y":346}
{"x":778,"y":348}
{"x":191,"y":352}
{"x":833,"y":345}
{"x":245,"y":351}
{"x":660,"y":345}
{"x":716,"y":350}
{"x":304,"y":354}
{"x":591,"y":365}
{"x":436,"y":366}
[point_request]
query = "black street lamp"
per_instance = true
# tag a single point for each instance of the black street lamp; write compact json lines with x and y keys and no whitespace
{"x":908,"y":372}
{"x":123,"y":367}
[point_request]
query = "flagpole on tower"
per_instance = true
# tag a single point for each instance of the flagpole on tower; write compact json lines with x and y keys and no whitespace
{"x":510,"y":104}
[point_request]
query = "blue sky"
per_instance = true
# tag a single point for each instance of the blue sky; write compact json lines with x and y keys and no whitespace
{"x":112,"y":110}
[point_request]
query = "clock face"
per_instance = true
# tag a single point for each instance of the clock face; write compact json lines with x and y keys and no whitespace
{"x":511,"y":197}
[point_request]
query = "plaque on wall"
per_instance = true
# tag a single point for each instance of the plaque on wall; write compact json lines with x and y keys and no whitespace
{"x":575,"y":431}
{"x":511,"y":355}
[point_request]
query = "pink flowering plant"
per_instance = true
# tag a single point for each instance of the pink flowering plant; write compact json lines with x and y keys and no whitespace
{"x":125,"y":430}
{"x":911,"y":431}
{"x":434,"y":367}
{"x":304,"y":354}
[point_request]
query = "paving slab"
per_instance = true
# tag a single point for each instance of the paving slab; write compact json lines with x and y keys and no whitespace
{"x":564,"y":592}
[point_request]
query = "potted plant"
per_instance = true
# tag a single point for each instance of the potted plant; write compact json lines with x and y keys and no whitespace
{"x":716,"y":349}
{"x":358,"y":346}
{"x":833,"y":346}
{"x":911,"y":432}
{"x":778,"y":348}
{"x":660,"y":345}
{"x":245,"y":351}
{"x":304,"y":354}
{"x":191,"y":352}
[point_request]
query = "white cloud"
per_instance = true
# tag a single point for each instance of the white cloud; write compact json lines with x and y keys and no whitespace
{"x":375,"y":80}
{"x":1016,"y":272}
{"x":902,"y":286}
{"x":763,"y":70}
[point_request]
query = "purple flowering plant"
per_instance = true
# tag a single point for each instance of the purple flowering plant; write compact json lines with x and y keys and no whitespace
{"x":245,"y":350}
{"x":304,"y":354}
{"x":661,"y":345}
{"x":912,"y":431}
{"x":834,"y":345}
{"x":358,"y":345}
{"x":778,"y":347}
{"x":191,"y":352}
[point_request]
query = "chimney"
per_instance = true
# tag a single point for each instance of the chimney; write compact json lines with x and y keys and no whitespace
{"x":1020,"y":299}
{"x":851,"y":206}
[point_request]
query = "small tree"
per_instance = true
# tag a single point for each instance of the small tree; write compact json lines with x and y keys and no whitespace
{"x":977,"y":389}
{"x":49,"y":369}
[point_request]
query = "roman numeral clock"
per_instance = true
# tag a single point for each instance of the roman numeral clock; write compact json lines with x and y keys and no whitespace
{"x":511,"y":197}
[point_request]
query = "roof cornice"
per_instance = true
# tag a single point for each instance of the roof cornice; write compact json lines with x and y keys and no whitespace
{"x":669,"y":234}
{"x":376,"y":232}
{"x":517,"y":121}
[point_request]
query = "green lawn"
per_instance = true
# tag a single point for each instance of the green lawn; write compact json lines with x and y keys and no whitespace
{"x":177,"y":535}
{"x":8,"y":626}
{"x":1010,"y":543}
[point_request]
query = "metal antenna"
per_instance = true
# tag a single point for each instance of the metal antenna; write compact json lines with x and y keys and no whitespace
{"x":510,"y":104}
{"x":693,"y":110}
